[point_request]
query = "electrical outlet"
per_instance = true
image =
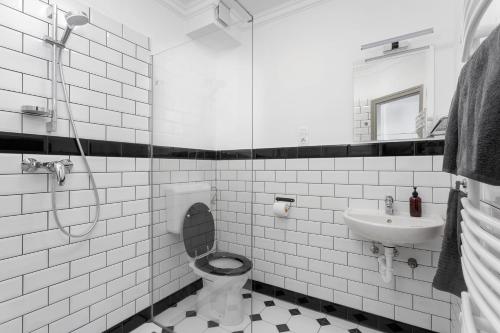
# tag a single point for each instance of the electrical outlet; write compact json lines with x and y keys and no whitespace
{"x":303,"y":136}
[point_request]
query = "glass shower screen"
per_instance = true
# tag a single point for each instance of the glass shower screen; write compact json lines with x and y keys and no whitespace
{"x":202,"y":178}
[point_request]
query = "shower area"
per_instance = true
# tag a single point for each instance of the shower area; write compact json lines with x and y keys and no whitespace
{"x":126,"y":177}
{"x":202,"y":175}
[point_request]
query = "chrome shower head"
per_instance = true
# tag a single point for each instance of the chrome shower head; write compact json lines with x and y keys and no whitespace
{"x":73,"y":19}
{"x":76,"y":19}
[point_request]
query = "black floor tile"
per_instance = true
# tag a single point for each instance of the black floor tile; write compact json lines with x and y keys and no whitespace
{"x":282,"y":328}
{"x":323,"y":321}
{"x":294,"y":312}
{"x":190,"y":314}
{"x":269,"y":303}
{"x":255,"y":317}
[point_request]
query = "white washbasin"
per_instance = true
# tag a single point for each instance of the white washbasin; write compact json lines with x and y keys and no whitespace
{"x":393,"y":230}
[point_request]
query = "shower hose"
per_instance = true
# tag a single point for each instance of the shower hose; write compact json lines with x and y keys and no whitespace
{"x":85,"y":161}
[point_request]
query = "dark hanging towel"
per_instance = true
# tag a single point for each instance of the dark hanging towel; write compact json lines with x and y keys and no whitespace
{"x":449,"y":276}
{"x":472,"y":143}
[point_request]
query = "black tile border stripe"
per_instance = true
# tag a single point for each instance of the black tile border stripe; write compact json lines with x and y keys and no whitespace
{"x":144,"y":316}
{"x":16,"y":143}
{"x":355,"y":316}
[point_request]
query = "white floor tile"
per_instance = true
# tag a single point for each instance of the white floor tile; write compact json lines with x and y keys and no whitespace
{"x":275,"y":315}
{"x":261,"y":297}
{"x":240,"y":327}
{"x":303,"y":324}
{"x":341,"y":322}
{"x":253,"y":306}
{"x":270,"y":317}
{"x":216,"y":330}
{"x":285,"y":305}
{"x":188,"y":303}
{"x":147,"y":328}
{"x":311,"y":313}
{"x":171,"y":316}
{"x":191,"y":325}
{"x":261,"y":327}
{"x":332,"y":329}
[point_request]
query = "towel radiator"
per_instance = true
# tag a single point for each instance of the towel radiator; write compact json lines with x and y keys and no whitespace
{"x":480,"y":231}
{"x":481,"y":268}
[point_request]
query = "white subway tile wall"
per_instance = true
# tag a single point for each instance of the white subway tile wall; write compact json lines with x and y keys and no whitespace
{"x":49,"y":279}
{"x":55,"y":284}
{"x":361,"y":131}
{"x":48,"y":282}
{"x":314,"y":252}
{"x":106,"y":68}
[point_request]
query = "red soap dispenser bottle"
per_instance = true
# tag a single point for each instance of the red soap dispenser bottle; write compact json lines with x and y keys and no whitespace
{"x":415,"y":204}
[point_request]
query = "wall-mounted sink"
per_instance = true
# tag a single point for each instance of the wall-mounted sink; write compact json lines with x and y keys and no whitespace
{"x":392,"y":230}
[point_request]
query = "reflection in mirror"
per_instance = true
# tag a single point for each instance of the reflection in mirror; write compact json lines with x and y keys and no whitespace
{"x":394,"y":97}
{"x":398,"y":116}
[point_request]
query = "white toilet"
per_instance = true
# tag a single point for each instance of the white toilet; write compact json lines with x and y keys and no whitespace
{"x":224,"y":274}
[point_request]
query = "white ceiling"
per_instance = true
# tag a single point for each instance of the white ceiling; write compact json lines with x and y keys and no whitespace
{"x":253,"y":6}
{"x":259,"y":6}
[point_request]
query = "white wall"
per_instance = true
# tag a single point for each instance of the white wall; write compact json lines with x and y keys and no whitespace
{"x":234,"y":98}
{"x":203,"y":92}
{"x":185,"y":89}
{"x":303,"y":64}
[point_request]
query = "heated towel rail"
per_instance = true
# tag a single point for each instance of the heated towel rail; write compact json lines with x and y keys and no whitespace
{"x":480,"y":231}
{"x":481,"y":267}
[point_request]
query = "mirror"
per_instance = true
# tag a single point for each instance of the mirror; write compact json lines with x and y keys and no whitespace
{"x":393,"y":96}
{"x":396,"y":116}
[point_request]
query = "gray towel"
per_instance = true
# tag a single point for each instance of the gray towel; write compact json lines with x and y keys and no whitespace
{"x":449,"y":276}
{"x":472,"y":145}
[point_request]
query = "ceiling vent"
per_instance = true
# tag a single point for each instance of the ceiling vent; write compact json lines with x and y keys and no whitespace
{"x":213,"y":27}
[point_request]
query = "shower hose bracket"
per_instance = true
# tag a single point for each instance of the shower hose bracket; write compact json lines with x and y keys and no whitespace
{"x":52,"y":41}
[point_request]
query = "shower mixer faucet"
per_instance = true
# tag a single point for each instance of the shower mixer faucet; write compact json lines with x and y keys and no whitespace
{"x":59,"y":168}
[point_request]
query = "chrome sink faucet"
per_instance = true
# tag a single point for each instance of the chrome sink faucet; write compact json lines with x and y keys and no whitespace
{"x":389,"y":205}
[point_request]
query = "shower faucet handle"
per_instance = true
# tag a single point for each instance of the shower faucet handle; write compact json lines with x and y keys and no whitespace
{"x":68,"y":165}
{"x":60,"y":169}
{"x":30,"y":165}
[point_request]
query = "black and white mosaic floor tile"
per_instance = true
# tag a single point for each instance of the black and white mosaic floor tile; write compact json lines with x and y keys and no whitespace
{"x":264,"y":314}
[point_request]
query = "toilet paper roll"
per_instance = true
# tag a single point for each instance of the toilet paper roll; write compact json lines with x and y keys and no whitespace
{"x":281,"y":208}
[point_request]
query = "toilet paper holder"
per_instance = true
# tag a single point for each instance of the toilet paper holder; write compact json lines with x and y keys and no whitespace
{"x":285,"y":199}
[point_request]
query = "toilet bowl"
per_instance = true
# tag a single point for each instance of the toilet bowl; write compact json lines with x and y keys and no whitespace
{"x":224,"y":274}
{"x":221,"y":299}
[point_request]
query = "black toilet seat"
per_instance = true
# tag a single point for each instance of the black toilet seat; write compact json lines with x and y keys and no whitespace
{"x":204,"y":264}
